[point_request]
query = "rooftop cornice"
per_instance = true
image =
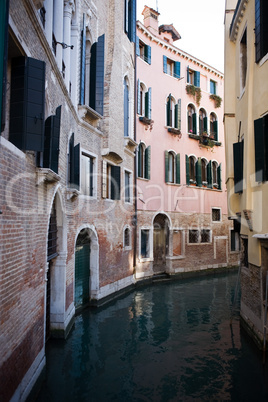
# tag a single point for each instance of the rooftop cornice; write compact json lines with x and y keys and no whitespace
{"x":177,"y":51}
{"x":237,"y":18}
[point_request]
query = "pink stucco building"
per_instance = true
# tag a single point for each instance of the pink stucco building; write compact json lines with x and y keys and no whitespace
{"x":182,"y":199}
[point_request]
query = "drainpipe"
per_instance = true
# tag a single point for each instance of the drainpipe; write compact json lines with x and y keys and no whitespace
{"x":135,"y":219}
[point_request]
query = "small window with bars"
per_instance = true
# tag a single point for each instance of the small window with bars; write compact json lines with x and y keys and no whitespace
{"x":127,"y":244}
{"x":193,"y":236}
{"x":205,"y":236}
{"x":216,"y":214}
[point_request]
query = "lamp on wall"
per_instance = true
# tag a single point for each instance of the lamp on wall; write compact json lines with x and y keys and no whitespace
{"x":64,"y":46}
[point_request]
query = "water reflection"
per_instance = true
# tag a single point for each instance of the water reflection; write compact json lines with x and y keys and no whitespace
{"x":168,"y":342}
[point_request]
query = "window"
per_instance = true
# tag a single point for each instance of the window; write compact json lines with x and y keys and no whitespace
{"x":204,"y":171}
{"x":205,"y":236}
{"x":52,"y":234}
{"x":243,"y":60}
{"x":261,"y":32}
{"x":190,"y":169}
{"x":52,"y":140}
{"x":261,"y":149}
{"x":213,"y":87}
{"x":87,"y":174}
{"x":144,"y":161}
{"x":144,"y":243}
{"x":144,"y":51}
{"x":144,"y":100}
{"x":172,"y":167}
{"x":177,"y":243}
{"x":130,"y":19}
{"x":216,"y":214}
{"x":213,"y":127}
{"x":127,"y":186}
{"x":126,"y":109}
{"x":191,"y":119}
{"x":171,"y":67}
{"x":203,"y":122}
{"x":244,"y":254}
{"x":193,"y":236}
{"x":111,"y":181}
{"x":173,"y":112}
{"x":73,"y":164}
{"x":193,"y":77}
{"x":235,"y":241}
{"x":127,"y":239}
{"x":216,"y":175}
{"x":238,"y":157}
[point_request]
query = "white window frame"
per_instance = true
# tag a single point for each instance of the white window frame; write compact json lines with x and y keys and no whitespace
{"x":150,"y":241}
{"x":218,"y":208}
{"x":126,"y":171}
{"x":84,"y":152}
{"x":129,"y":247}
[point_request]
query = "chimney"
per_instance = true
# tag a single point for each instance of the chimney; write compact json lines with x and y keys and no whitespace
{"x":150,"y":20}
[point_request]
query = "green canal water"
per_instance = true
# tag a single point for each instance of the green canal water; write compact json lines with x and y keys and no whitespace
{"x":167,"y":342}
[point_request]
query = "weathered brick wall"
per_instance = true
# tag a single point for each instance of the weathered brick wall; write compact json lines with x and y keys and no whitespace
{"x":251,"y":289}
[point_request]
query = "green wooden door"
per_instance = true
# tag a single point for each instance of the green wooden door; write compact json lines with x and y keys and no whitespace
{"x":82,"y":272}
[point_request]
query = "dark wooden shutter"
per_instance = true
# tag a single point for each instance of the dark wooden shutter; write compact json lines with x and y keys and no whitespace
{"x":71,"y":160}
{"x":126,"y":16}
{"x":168,"y":110}
{"x":187,"y":167}
{"x":197,"y":79}
{"x":238,"y":150}
{"x":215,"y":130}
{"x":166,"y":167}
{"x":198,"y":172}
{"x":138,"y":97}
{"x":115,"y":182}
{"x":147,"y":166}
{"x":126,"y":107}
{"x":259,"y":142}
{"x":139,"y":160}
{"x":149,"y":53}
{"x":4,"y":12}
{"x":52,"y":141}
{"x":76,"y":160}
{"x":146,"y":104}
{"x":132,"y":34}
{"x":165,"y":64}
{"x":258,"y":51}
{"x":97,"y":75}
{"x":137,"y":46}
{"x":209,"y":174}
{"x":83,"y":62}
{"x":188,"y":74}
{"x":178,"y":169}
{"x":27,"y":104}
{"x":205,"y":123}
{"x":150,"y":103}
{"x":178,"y":119}
{"x":194,"y":123}
{"x":177,"y":69}
{"x":219,"y":176}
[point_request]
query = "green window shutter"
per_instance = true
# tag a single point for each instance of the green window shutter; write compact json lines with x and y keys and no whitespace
{"x":4,"y":12}
{"x":139,"y":161}
{"x":194,"y":123}
{"x":188,"y":74}
{"x":198,"y":172}
{"x":177,"y":69}
{"x":206,"y":124}
{"x":166,"y":166}
{"x":149,"y":102}
{"x":215,"y":130}
{"x":165,"y":64}
{"x":126,"y":16}
{"x":137,"y":46}
{"x":97,"y":75}
{"x":209,"y":174}
{"x":149,"y":53}
{"x":260,"y":151}
{"x":115,"y":182}
{"x":83,"y":62}
{"x":146,"y":104}
{"x":178,"y":169}
{"x":238,"y":151}
{"x":76,"y":159}
{"x":258,"y":52}
{"x":138,"y":97}
{"x":168,"y":111}
{"x":219,"y":176}
{"x":197,"y":79}
{"x":177,"y":116}
{"x":187,"y":169}
{"x":71,"y":160}
{"x":52,"y":141}
{"x":27,"y":104}
{"x":148,"y":162}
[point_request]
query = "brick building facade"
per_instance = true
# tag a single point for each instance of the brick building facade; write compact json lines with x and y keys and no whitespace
{"x":66,"y":151}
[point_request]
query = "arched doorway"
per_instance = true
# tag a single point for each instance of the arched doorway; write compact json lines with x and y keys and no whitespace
{"x":82,"y":269}
{"x":161,"y":242}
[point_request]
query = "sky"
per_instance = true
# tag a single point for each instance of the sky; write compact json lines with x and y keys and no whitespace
{"x":200,"y":24}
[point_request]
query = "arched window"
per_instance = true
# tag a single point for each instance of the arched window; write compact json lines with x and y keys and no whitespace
{"x":191,"y":119}
{"x":172,"y":167}
{"x":144,"y":102}
{"x":192,"y":169}
{"x":203,"y":122}
{"x":170,"y":105}
{"x":126,"y":109}
{"x":127,"y":239}
{"x":144,"y":161}
{"x":214,"y":173}
{"x":204,"y":171}
{"x":213,"y":126}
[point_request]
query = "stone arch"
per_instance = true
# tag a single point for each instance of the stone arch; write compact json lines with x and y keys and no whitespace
{"x":90,"y":235}
{"x":161,"y":241}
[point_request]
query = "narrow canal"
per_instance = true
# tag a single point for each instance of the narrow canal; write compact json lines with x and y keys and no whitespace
{"x":167,"y":342}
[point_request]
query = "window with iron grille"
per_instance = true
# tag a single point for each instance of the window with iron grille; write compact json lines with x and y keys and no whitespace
{"x":205,"y":236}
{"x":193,"y":236}
{"x":216,"y":214}
{"x":127,"y":238}
{"x":52,"y":235}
